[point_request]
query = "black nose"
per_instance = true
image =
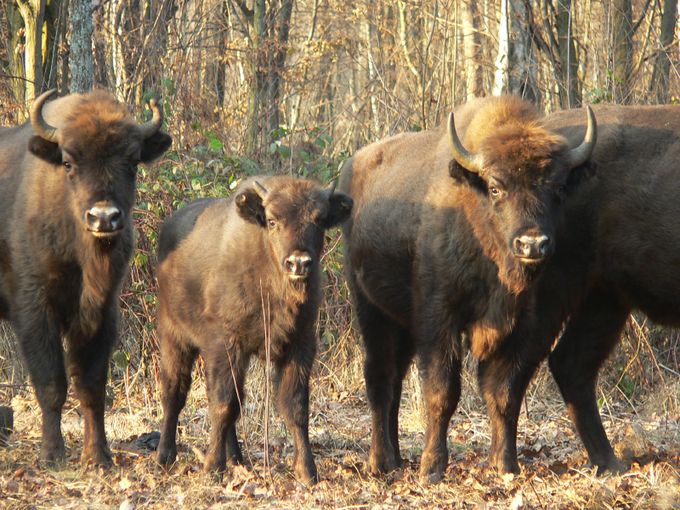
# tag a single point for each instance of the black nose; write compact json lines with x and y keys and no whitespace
{"x":104,"y":219}
{"x":532,"y":248}
{"x":298,"y":264}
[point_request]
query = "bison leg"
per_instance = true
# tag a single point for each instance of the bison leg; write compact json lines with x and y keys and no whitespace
{"x":88,"y":364}
{"x":589,"y":337}
{"x":439,"y":366}
{"x":292,"y":381}
{"x":40,"y":345}
{"x":177,"y":362}
{"x":225,"y":375}
{"x":503,"y":378}
{"x":383,"y":367}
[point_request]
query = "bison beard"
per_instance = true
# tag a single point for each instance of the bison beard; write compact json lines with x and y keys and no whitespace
{"x":448,"y":238}
{"x":233,"y":274}
{"x":67,"y":184}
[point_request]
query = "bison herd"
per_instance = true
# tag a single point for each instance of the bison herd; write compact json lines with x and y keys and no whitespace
{"x":517,"y":236}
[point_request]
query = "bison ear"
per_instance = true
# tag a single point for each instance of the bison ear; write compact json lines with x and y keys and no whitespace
{"x":154,"y":146}
{"x":463,"y":176}
{"x":579,"y":175}
{"x":45,"y":150}
{"x":340,"y":206}
{"x":249,"y":207}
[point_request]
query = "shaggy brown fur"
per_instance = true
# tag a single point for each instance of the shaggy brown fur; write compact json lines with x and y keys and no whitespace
{"x":618,"y":252}
{"x":57,"y":278}
{"x":433,"y":254}
{"x":230,"y":290}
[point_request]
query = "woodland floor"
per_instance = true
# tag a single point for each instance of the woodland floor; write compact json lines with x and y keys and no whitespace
{"x":555,"y":472}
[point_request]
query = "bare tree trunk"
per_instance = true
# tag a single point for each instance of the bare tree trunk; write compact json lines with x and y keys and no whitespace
{"x":472,"y":44}
{"x":500,"y":79}
{"x":622,"y":32}
{"x":658,"y":86}
{"x":570,"y":94}
{"x":81,"y":64}
{"x":33,"y":14}
{"x":522,"y":78}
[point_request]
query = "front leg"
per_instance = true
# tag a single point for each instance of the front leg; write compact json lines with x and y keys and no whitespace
{"x":88,"y":357}
{"x":292,"y":377}
{"x":39,"y":341}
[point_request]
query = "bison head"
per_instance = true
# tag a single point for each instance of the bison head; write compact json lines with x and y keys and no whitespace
{"x":96,"y":147}
{"x":294,"y":214}
{"x":520,"y":174}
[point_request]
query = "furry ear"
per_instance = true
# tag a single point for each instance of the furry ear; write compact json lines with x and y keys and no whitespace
{"x":249,"y":207}
{"x":463,"y":176}
{"x":579,"y":175}
{"x":45,"y":150}
{"x":340,"y":207}
{"x":154,"y":146}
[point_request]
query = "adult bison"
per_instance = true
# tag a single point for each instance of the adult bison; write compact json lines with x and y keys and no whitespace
{"x":619,"y":251}
{"x":445,"y":239}
{"x":240,"y":277}
{"x":67,"y":185}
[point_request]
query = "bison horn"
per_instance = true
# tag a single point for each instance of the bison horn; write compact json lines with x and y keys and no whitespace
{"x":261,"y":190}
{"x":331,"y":188}
{"x":580,"y":154}
{"x":464,"y":158}
{"x":151,"y":127}
{"x":38,"y":122}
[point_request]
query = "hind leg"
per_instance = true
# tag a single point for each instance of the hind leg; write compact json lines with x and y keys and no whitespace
{"x":439,"y":366}
{"x":403,"y":361}
{"x":588,"y":339}
{"x":381,"y":372}
{"x":177,"y":361}
{"x":41,"y":348}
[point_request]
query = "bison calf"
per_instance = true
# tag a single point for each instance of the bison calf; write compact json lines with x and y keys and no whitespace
{"x":240,"y":277}
{"x":67,"y":185}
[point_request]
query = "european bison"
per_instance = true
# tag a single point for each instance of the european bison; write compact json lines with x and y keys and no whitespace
{"x":67,"y":185}
{"x":445,"y":239}
{"x":240,"y":277}
{"x":619,"y":251}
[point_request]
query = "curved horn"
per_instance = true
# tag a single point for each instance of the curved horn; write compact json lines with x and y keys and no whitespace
{"x":580,"y":154}
{"x":151,"y":127}
{"x":466,"y":159}
{"x":38,"y":122}
{"x":331,"y":188}
{"x":261,"y":190}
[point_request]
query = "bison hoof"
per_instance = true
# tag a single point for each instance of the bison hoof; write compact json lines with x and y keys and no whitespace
{"x":432,"y":467}
{"x":97,"y":457}
{"x":381,"y":463}
{"x":506,"y":466}
{"x":166,"y":456}
{"x":52,"y":455}
{"x":214,"y":464}
{"x":6,"y":424}
{"x":614,"y":466}
{"x":307,"y":475}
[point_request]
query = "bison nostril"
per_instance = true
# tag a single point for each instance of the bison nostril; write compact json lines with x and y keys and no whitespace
{"x":104,"y":219}
{"x":290,"y":265}
{"x":544,"y":244}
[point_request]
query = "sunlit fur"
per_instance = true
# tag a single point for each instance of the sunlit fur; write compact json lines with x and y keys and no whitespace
{"x":430,"y":257}
{"x":57,"y":279}
{"x":225,"y":293}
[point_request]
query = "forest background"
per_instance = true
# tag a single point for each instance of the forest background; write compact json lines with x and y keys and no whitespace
{"x":295,"y":87}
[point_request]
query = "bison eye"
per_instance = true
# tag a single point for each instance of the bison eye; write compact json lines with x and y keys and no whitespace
{"x":271,"y":223}
{"x":495,"y":192}
{"x":68,"y":166}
